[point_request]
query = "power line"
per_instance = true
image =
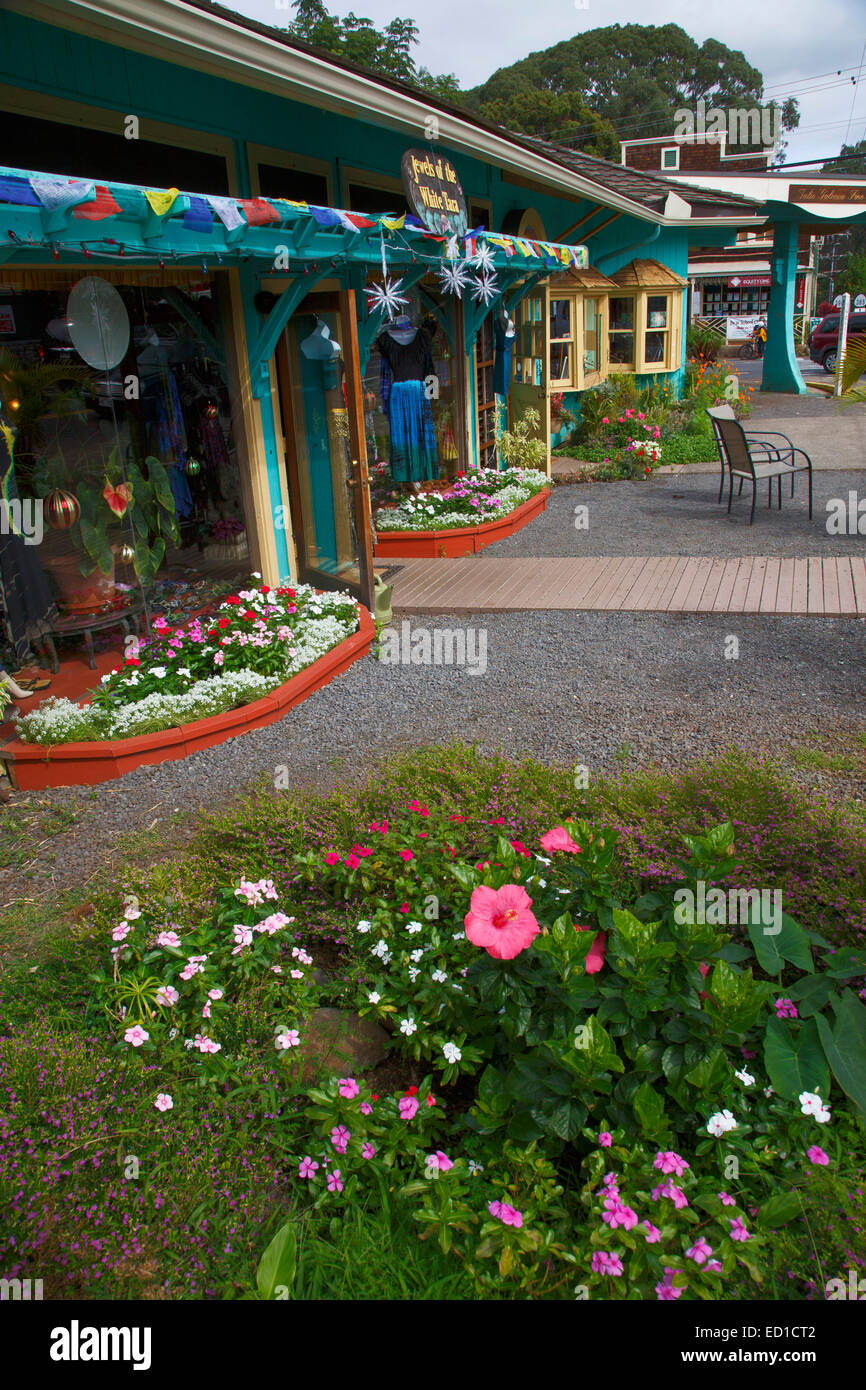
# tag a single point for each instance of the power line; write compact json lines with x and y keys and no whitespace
{"x":851,"y":117}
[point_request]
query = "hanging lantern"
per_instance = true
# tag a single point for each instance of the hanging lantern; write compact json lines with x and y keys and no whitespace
{"x":193,"y":467}
{"x":62,"y":509}
{"x":126,"y":554}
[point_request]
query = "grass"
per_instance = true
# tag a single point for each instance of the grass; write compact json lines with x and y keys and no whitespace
{"x":27,"y":827}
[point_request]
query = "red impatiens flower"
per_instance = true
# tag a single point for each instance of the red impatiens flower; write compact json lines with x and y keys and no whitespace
{"x":132,"y":661}
{"x":418,"y":808}
{"x":224,"y":622}
{"x":250,"y":615}
{"x":406,"y":854}
{"x":499,"y":920}
{"x":266,"y":588}
{"x":519,"y":848}
{"x":332,"y":858}
{"x":412,"y":1091}
{"x":595,"y":960}
{"x":234,"y":600}
{"x":352,"y":862}
{"x":559,"y":839}
{"x":404,"y":907}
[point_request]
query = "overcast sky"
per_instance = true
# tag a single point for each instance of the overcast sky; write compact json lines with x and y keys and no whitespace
{"x":794,"y":43}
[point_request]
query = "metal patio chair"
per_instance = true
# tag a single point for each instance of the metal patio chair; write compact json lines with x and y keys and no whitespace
{"x":755,"y":456}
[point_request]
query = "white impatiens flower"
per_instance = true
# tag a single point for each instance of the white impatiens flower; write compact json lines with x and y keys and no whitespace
{"x":812,"y":1104}
{"x":768,"y":1091}
{"x":364,"y":926}
{"x":374,"y":997}
{"x":413,"y":928}
{"x":408,"y":1026}
{"x":744,"y":1076}
{"x":414,"y":972}
{"x":440,"y":977}
{"x":458,"y":935}
{"x":720,"y":1123}
{"x":416,"y":955}
{"x":452,"y":1053}
{"x":380,"y":950}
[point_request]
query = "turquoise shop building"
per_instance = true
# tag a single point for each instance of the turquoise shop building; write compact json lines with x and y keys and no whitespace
{"x":243,"y":194}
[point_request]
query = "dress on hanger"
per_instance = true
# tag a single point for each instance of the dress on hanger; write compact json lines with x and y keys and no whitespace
{"x":413,"y":438}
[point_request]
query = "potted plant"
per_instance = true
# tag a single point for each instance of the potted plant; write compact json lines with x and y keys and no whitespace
{"x":34,"y":393}
{"x":107,"y":509}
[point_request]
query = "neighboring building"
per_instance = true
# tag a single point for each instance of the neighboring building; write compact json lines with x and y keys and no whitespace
{"x":262,"y":383}
{"x":729,"y":288}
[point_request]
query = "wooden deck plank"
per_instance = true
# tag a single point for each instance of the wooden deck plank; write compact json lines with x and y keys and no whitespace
{"x":831,"y":586}
{"x":726,"y":587}
{"x":816,"y":586}
{"x":602,"y":594}
{"x":800,"y":596}
{"x":785,"y":590}
{"x":651,"y":580}
{"x":711,"y":588}
{"x":741,"y":585}
{"x":752,"y":602}
{"x":767,"y":603}
{"x":858,"y":575}
{"x":658,"y":584}
{"x":579,"y":583}
{"x":847,"y":597}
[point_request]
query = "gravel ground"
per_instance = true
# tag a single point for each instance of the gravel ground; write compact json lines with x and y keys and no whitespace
{"x":569,"y":688}
{"x":679,"y":514}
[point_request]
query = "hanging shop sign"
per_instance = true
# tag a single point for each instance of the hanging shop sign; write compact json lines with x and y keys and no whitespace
{"x":434,"y":193}
{"x":826,"y":193}
{"x":748,"y":282}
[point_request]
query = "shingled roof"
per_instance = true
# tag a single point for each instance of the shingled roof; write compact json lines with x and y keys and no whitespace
{"x":587,"y":279}
{"x":646,"y":274}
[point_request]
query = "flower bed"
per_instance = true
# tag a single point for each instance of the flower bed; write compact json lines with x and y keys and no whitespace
{"x":191,"y":687}
{"x":636,"y":1046}
{"x":472,"y":498}
{"x":471,"y":535}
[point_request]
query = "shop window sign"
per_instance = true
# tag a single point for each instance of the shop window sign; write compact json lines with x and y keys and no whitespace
{"x":434,"y":192}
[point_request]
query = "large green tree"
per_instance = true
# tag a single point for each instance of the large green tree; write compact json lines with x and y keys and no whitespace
{"x":634,"y":76}
{"x":387,"y":50}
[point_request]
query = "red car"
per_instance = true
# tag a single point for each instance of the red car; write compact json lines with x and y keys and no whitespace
{"x":824,"y":341}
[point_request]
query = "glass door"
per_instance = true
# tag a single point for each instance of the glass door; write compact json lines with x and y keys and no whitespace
{"x":322,"y":406}
{"x":530,"y":381}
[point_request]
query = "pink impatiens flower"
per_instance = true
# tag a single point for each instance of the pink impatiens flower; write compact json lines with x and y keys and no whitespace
{"x":653,"y":1234}
{"x":406,"y":854}
{"x":334,"y":1183}
{"x":700,"y":1252}
{"x":499,"y":920}
{"x":439,"y":1160}
{"x":817,"y":1155}
{"x":559,"y":839}
{"x":340,"y":1137}
{"x":408,"y":1107}
{"x":368,"y":1150}
{"x":726,"y":1200}
{"x":332,"y":857}
{"x":164,"y":1101}
{"x":348,"y":1087}
{"x":136,"y":1035}
{"x":603,"y":1263}
{"x":738,"y":1230}
{"x":306,"y":1167}
{"x":605,"y":1139}
{"x":508,"y":1215}
{"x":670,"y":1162}
{"x":618,"y":1214}
{"x":785,"y":1008}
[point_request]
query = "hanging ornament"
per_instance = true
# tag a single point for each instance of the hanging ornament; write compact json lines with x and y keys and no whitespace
{"x":454,"y":278}
{"x":484,"y":258}
{"x":126,"y":554}
{"x":62,"y":509}
{"x":451,"y":251}
{"x":193,"y":467}
{"x":385,"y":298}
{"x":212,"y":411}
{"x":485,"y":289}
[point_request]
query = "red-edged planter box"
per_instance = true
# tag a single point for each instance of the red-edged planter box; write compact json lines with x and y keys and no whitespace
{"x":459,"y":540}
{"x":36,"y":765}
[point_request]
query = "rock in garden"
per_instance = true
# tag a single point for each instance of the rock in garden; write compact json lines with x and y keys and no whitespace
{"x":339,"y":1041}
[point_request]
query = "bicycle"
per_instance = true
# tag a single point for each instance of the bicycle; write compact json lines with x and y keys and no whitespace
{"x":749,"y":348}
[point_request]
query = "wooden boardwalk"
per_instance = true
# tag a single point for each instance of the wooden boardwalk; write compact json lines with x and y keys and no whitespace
{"x":831,"y":587}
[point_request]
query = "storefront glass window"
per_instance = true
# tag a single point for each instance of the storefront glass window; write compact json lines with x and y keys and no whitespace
{"x":622,"y":329}
{"x":134,"y":470}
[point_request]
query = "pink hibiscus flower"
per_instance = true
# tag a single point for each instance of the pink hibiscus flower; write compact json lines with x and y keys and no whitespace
{"x":595,"y":959}
{"x":499,"y":921}
{"x":559,"y":839}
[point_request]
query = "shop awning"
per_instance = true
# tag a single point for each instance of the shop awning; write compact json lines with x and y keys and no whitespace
{"x":66,"y":217}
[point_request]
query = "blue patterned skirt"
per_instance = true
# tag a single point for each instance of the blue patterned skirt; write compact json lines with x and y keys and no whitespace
{"x":413,"y":440}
